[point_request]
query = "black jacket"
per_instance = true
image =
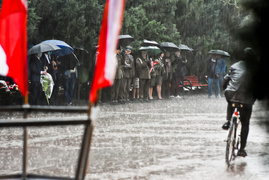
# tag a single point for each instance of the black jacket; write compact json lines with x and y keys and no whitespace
{"x":211,"y":66}
{"x":36,"y":67}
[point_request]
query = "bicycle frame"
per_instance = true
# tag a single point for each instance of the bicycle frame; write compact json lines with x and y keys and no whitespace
{"x":233,"y":136}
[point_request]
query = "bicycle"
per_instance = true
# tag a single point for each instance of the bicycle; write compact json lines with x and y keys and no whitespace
{"x":233,"y":138}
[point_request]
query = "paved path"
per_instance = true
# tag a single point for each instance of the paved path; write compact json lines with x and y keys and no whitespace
{"x":169,"y":139}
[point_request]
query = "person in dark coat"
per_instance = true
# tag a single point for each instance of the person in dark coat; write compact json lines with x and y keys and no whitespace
{"x":159,"y":66}
{"x":211,"y":76}
{"x":180,"y":71}
{"x":69,"y":68}
{"x":37,"y":96}
{"x":237,"y":90}
{"x":167,"y":76}
{"x":220,"y":71}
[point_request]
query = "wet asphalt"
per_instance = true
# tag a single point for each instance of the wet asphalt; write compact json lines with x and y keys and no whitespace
{"x":179,"y":138}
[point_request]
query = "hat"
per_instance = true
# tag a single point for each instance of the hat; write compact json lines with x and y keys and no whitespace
{"x":128,"y":48}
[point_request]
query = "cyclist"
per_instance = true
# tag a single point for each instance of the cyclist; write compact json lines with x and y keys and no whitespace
{"x":237,"y":89}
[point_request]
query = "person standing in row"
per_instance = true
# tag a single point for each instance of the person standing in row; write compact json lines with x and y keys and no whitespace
{"x":152,"y":78}
{"x":180,"y":72}
{"x":143,"y":66}
{"x":220,"y":71}
{"x":37,"y":96}
{"x":167,"y":76}
{"x":127,"y":74}
{"x":159,"y":68}
{"x":117,"y":85}
{"x":211,"y":76}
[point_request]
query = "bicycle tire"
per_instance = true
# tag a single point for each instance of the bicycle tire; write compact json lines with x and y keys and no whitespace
{"x":230,"y":144}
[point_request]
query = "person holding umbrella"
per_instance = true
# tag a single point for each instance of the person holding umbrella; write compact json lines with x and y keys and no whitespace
{"x":167,"y":76}
{"x":211,"y":76}
{"x":180,"y":71}
{"x":36,"y":69}
{"x":159,"y":72}
{"x":221,"y":71}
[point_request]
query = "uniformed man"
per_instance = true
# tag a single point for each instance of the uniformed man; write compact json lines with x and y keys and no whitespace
{"x":127,"y":74}
{"x":143,"y":66}
{"x":117,"y":85}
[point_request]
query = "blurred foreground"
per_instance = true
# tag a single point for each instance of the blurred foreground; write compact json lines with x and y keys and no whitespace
{"x":168,"y":139}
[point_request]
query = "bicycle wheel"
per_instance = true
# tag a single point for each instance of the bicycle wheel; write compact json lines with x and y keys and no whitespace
{"x":238,"y":136}
{"x":230,"y":144}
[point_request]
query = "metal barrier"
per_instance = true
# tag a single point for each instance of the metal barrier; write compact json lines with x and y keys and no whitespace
{"x":26,"y":122}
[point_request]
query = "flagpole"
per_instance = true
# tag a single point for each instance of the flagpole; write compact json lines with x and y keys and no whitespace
{"x":25,"y":139}
{"x":91,"y":105}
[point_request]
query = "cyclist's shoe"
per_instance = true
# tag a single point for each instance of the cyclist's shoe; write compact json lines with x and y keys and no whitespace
{"x":242,"y":153}
{"x":226,"y":125}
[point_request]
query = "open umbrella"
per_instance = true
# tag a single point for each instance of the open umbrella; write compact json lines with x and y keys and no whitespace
{"x":43,"y":47}
{"x":65,"y":48}
{"x":169,"y":46}
{"x":149,"y":43}
{"x":125,"y":40}
{"x":184,"y":47}
{"x":219,"y":52}
{"x":151,"y":50}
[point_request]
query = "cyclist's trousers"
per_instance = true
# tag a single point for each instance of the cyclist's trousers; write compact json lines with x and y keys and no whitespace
{"x":245,"y":114}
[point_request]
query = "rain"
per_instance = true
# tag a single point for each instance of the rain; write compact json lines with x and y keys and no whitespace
{"x":184,"y":140}
{"x":176,"y":136}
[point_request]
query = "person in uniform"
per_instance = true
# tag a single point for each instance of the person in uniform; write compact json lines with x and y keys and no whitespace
{"x":143,"y":66}
{"x":127,"y":74}
{"x":117,"y":85}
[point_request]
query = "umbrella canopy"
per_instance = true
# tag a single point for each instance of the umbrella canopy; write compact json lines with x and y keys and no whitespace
{"x":43,"y":47}
{"x":169,"y":46}
{"x":219,"y":52}
{"x":125,"y":40}
{"x":151,"y":50}
{"x":65,"y":48}
{"x":184,"y":47}
{"x":149,"y":43}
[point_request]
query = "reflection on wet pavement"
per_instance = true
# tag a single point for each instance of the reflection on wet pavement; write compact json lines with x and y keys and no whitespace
{"x":169,"y":139}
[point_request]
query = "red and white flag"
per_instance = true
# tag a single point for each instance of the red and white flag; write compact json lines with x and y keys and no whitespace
{"x":13,"y":42}
{"x":106,"y":62}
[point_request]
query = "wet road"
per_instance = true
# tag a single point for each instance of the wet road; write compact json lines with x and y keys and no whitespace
{"x":169,"y":139}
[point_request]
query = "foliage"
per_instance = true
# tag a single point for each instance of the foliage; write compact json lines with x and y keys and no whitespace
{"x":200,"y":24}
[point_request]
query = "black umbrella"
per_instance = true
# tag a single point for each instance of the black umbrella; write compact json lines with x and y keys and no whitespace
{"x":184,"y":47}
{"x":125,"y":40}
{"x":169,"y":46}
{"x":219,"y":52}
{"x":43,"y":47}
{"x":149,"y":43}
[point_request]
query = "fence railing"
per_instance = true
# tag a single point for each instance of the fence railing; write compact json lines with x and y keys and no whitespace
{"x":25,"y":122}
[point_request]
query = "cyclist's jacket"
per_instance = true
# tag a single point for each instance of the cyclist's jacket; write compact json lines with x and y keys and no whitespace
{"x":236,"y":84}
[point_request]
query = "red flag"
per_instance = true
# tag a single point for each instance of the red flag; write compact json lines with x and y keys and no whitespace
{"x":13,"y":42}
{"x":106,"y":63}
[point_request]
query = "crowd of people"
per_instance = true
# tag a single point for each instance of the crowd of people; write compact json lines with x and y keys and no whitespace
{"x":47,"y":63}
{"x":147,"y":77}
